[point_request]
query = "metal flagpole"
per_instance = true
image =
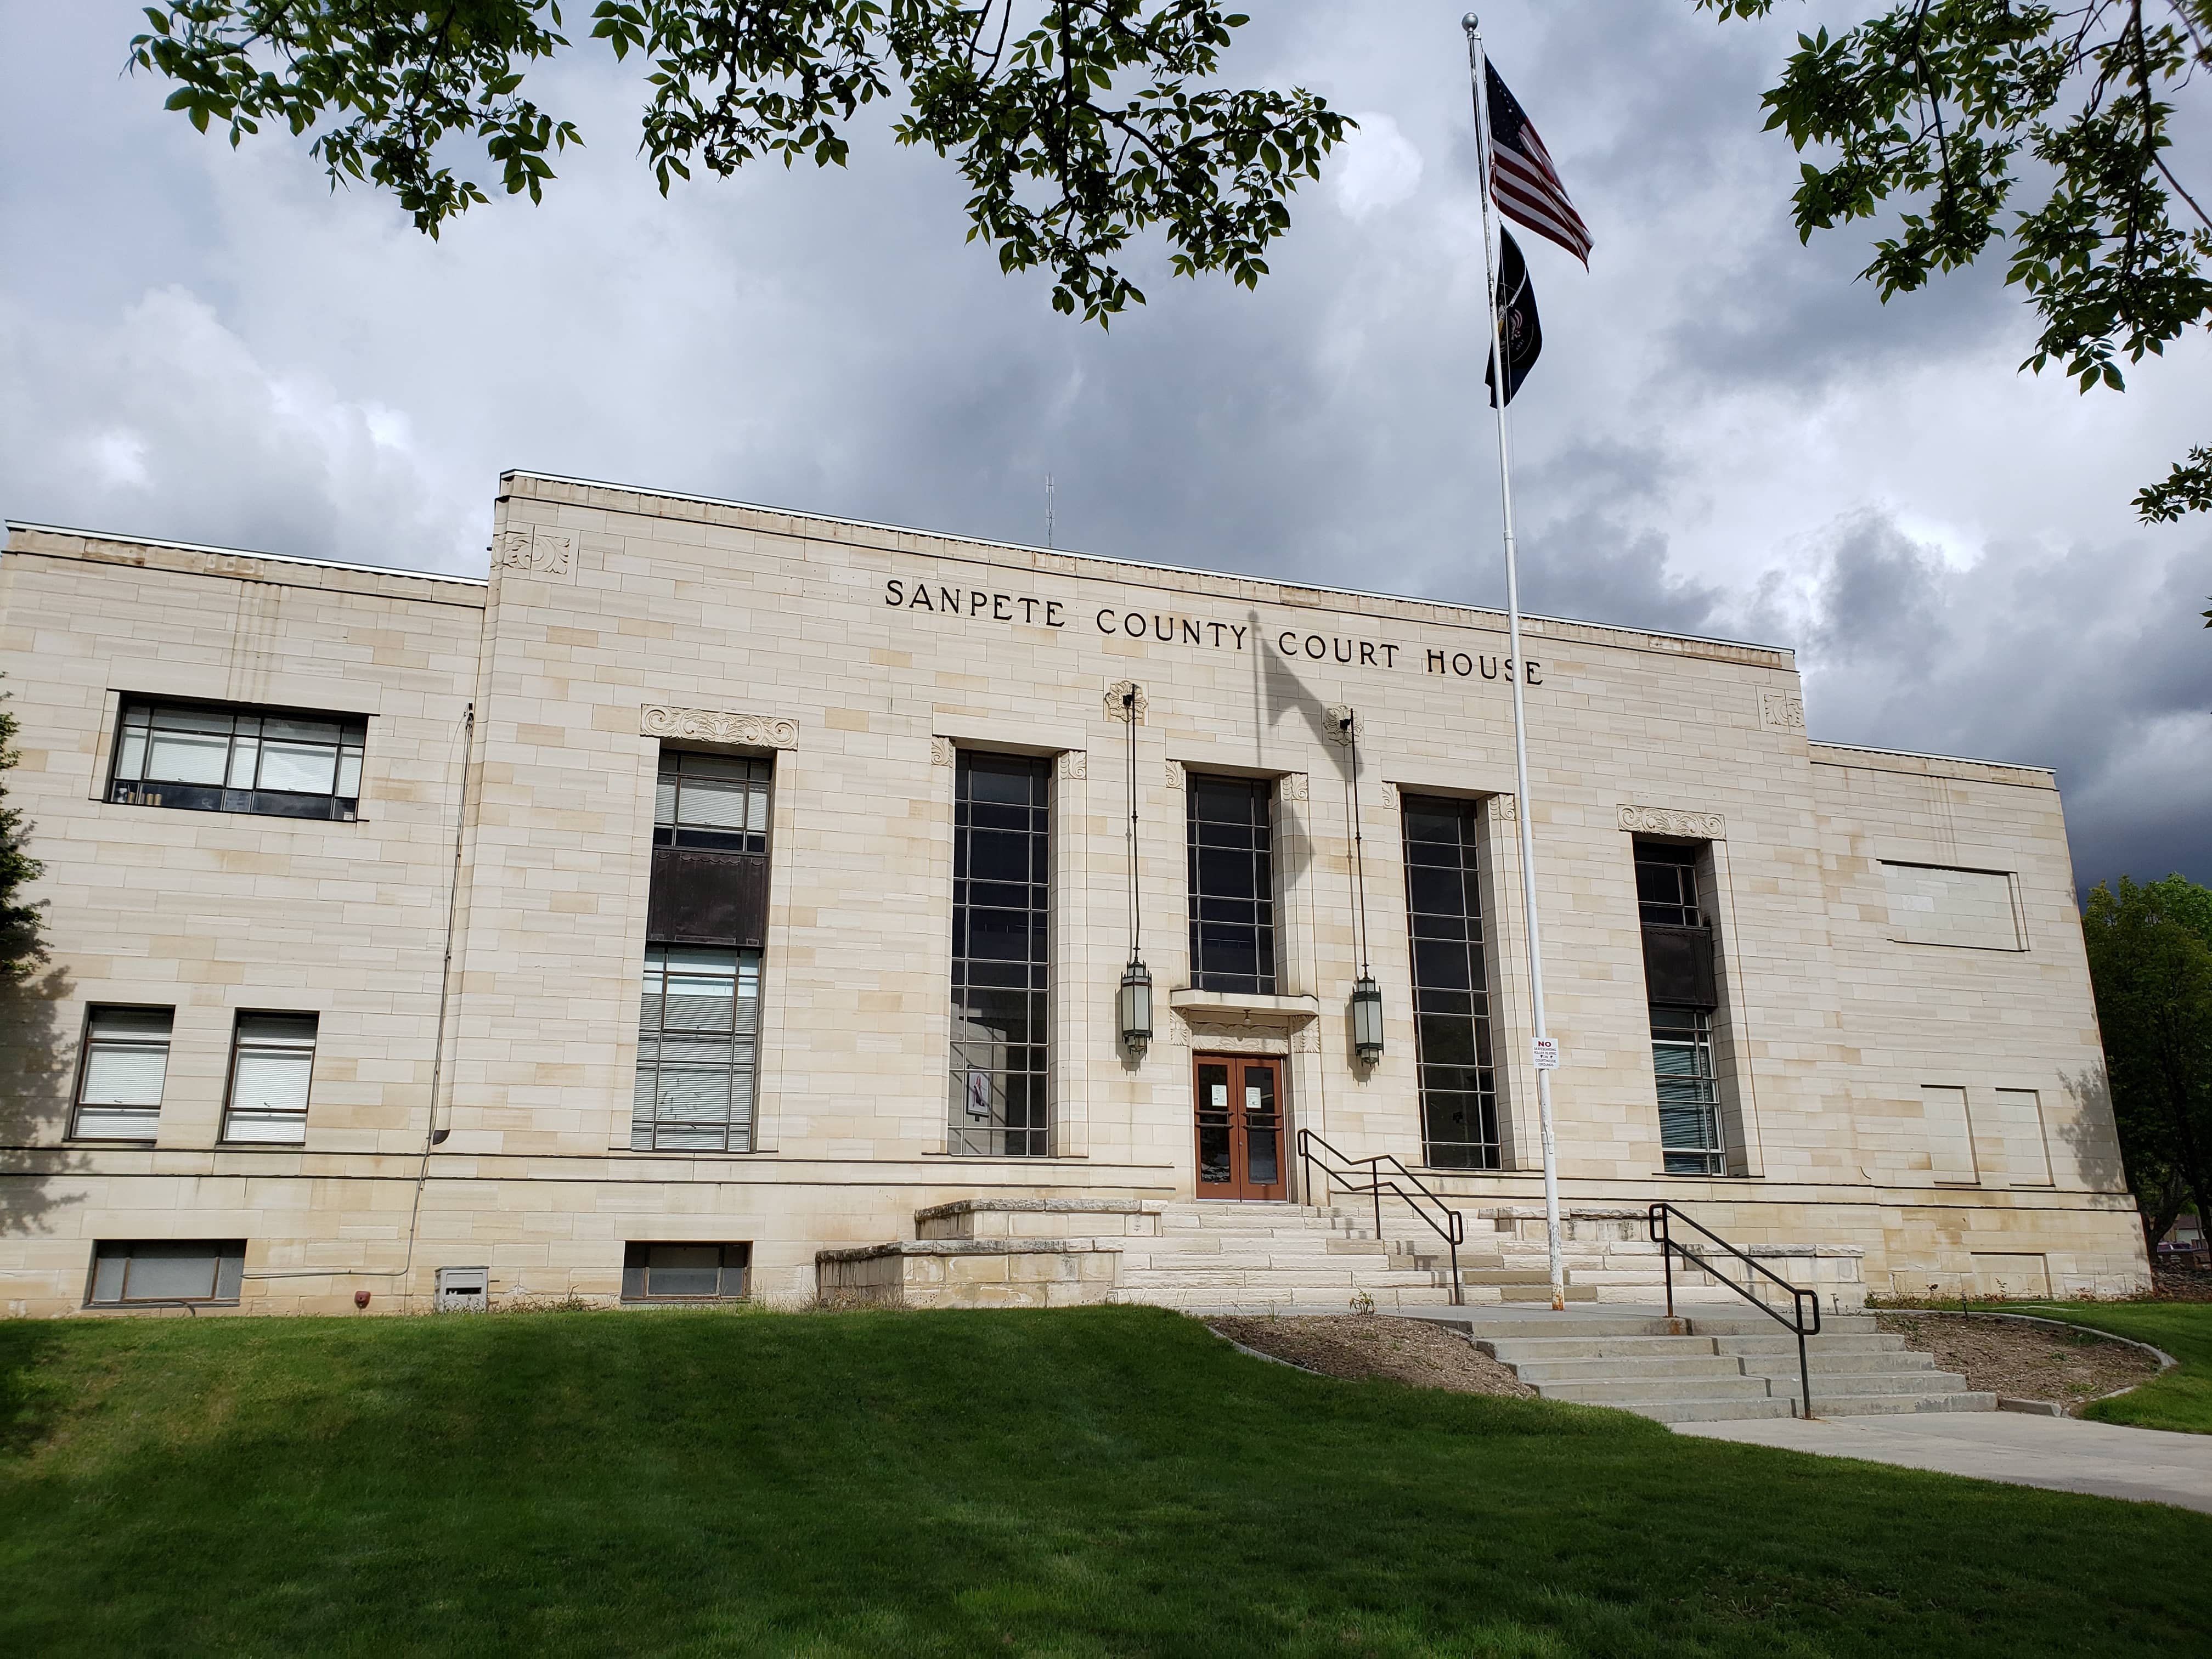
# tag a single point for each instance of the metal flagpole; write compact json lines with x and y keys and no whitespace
{"x":1524,"y":811}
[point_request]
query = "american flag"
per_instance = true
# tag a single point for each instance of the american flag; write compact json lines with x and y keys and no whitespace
{"x":1523,"y":180}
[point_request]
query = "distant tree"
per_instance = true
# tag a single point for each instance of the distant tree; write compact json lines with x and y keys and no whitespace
{"x":1938,"y":110}
{"x":2150,"y":959}
{"x":22,"y":943}
{"x":1076,"y":122}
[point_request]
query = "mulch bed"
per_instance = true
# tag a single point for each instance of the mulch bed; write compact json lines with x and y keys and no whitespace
{"x":2182,"y":1283}
{"x":2021,"y":1361}
{"x":1362,"y":1346}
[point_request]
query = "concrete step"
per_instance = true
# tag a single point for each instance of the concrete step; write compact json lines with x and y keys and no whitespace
{"x":1617,"y":1349}
{"x":1836,"y":1385}
{"x":1649,"y":1389}
{"x":1841,"y":1342}
{"x":1722,"y":1323}
{"x":1899,"y":1404}
{"x":1502,"y":1324}
{"x":1667,"y":1366}
{"x":1202,"y":1277}
{"x":1706,"y":1411}
{"x":1263,"y":1299}
{"x":1886,"y":1361}
{"x":1543,"y":1293}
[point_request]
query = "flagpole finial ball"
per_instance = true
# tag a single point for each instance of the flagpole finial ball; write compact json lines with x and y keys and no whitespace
{"x":1470,"y":23}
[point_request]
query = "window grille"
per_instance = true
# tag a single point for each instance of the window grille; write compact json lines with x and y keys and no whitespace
{"x":1689,"y":1106}
{"x":1682,"y":991}
{"x":685,"y":1273}
{"x":711,"y":803}
{"x":698,"y":1038}
{"x":272,"y":1058}
{"x":1451,"y":985}
{"x":1232,"y":884}
{"x":126,"y":1061}
{"x":1000,"y":1101}
{"x":1666,"y":885}
{"x":211,"y":759}
{"x":126,"y":1271}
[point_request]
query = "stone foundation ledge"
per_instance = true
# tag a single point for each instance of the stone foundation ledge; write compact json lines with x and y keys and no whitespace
{"x":969,"y":1272}
{"x":1037,"y":1217}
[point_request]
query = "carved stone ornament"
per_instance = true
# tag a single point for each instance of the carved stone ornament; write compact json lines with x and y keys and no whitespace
{"x":1292,"y":786}
{"x":1073,"y":764}
{"x":719,"y":726}
{"x":1389,"y":793}
{"x":1343,"y":725}
{"x":539,"y":552}
{"x":1236,"y":1039}
{"x":940,"y":751}
{"x":1666,"y":821}
{"x":1780,"y":712}
{"x":1507,"y":809}
{"x":1174,"y":774}
{"x":1117,"y":709}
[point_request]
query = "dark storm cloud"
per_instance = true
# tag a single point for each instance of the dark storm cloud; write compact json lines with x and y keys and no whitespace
{"x":1728,"y":433}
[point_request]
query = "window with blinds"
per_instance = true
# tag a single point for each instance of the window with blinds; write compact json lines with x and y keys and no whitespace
{"x":711,"y":803}
{"x":165,"y":1270}
{"x":206,"y":758}
{"x":685,"y":1273}
{"x":119,"y":1078}
{"x":698,"y":1038}
{"x":272,"y":1058}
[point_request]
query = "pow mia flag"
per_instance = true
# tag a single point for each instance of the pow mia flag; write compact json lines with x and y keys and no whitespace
{"x":1516,"y":320}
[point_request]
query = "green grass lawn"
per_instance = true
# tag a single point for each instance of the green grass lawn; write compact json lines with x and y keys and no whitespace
{"x":1096,"y":1481}
{"x":2178,"y":1399}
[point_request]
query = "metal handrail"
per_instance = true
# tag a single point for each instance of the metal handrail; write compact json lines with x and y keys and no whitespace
{"x":1447,"y":1223}
{"x":1660,"y":1219}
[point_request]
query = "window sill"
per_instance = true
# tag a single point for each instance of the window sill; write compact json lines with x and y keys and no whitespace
{"x":1227,"y":1008}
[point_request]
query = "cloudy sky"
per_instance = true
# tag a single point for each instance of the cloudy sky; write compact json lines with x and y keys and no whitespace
{"x":1727,"y":434}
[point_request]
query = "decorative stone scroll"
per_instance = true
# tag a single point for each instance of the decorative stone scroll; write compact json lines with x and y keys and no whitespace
{"x":538,"y":552}
{"x":1389,"y":794}
{"x":719,"y":726}
{"x":1666,"y":821}
{"x":940,"y":751}
{"x":1507,"y":807}
{"x":1305,"y":1039}
{"x":1117,"y":709}
{"x":1073,"y":764}
{"x":1174,"y":774}
{"x":1291,"y":786}
{"x":1780,"y":712}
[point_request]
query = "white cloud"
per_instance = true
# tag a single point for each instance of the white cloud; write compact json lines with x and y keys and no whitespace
{"x":1726,"y":433}
{"x":1377,"y":168}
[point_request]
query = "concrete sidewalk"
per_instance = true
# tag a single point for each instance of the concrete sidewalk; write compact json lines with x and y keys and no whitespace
{"x":2062,"y":1453}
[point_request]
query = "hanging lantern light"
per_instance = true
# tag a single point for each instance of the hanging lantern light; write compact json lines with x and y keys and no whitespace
{"x":1367,"y":1019}
{"x":1136,"y":1005}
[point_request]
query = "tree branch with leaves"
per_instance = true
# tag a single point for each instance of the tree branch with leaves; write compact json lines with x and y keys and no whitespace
{"x":1078,"y":124}
{"x":1946,"y":113}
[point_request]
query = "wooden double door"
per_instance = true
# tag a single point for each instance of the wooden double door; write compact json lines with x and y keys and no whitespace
{"x":1243,"y":1151}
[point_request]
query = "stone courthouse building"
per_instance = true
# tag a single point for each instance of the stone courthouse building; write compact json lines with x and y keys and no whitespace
{"x":719,"y":900}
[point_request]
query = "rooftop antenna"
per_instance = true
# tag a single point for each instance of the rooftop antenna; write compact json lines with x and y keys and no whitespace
{"x":1047,"y":509}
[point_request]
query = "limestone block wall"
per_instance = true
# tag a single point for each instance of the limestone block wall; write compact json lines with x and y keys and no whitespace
{"x":860,"y":659}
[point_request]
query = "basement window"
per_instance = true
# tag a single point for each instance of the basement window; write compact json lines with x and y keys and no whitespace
{"x":685,"y":1273}
{"x":127,"y":1273}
